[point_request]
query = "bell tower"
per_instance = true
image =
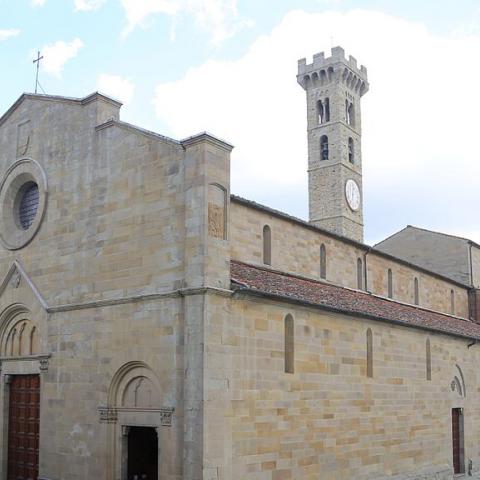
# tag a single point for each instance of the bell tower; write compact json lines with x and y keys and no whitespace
{"x":334,"y":86}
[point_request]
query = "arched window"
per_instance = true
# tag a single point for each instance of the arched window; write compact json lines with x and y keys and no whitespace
{"x":416,"y":294}
{"x":351,"y":115}
{"x":351,"y":151}
{"x":267,"y":245}
{"x":324,"y":147}
{"x":327,"y":109}
{"x":320,"y":112}
{"x":428,"y":359}
{"x":323,"y":261}
{"x":359,"y":274}
{"x":289,"y":344}
{"x":369,"y":353}
{"x":452,"y":302}
{"x":323,"y":111}
{"x":390,"y":283}
{"x":330,"y":72}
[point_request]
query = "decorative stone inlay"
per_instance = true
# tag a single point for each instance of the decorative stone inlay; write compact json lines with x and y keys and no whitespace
{"x":216,"y":221}
{"x":108,"y":415}
{"x":166,"y":416}
{"x":43,"y":364}
{"x":23,"y":138}
{"x":16,"y":277}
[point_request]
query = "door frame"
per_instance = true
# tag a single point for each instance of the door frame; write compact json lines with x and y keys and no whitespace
{"x":14,"y":366}
{"x":461,"y":439}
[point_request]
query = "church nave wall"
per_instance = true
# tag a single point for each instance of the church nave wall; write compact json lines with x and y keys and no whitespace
{"x":296,"y":249}
{"x":328,"y":419}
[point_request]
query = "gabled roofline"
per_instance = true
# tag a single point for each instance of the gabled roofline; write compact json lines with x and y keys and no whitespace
{"x":58,"y":98}
{"x":142,"y":131}
{"x":362,"y":246}
{"x":17,"y":267}
{"x":471,"y":242}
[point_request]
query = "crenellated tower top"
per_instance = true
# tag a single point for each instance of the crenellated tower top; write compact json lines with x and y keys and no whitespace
{"x":324,"y":70}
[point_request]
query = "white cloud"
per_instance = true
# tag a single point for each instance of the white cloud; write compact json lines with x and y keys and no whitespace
{"x":88,"y":5}
{"x":55,"y":56}
{"x":420,"y":118}
{"x":12,"y":32}
{"x":38,"y":3}
{"x":219,"y":18}
{"x":117,"y":87}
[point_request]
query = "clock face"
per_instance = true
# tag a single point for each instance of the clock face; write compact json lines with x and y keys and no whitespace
{"x":352,"y":194}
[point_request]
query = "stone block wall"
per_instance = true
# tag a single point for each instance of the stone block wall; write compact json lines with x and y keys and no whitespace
{"x":434,"y":293}
{"x":296,"y":249}
{"x":329,"y":420}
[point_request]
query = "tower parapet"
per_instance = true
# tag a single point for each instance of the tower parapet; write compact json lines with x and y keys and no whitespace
{"x":324,"y":70}
{"x":334,"y":86}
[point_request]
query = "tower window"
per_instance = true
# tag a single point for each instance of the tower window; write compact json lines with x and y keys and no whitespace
{"x":351,"y":117}
{"x":351,"y":151}
{"x":359,"y":274}
{"x":390,"y":283}
{"x":267,"y":245}
{"x":323,"y":111}
{"x":324,"y":147}
{"x":349,"y":113}
{"x":416,"y":292}
{"x":320,"y":112}
{"x":289,"y":344}
{"x":452,"y":302}
{"x":323,"y":262}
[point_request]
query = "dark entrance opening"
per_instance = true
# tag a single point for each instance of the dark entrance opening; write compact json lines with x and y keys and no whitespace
{"x":23,"y":427}
{"x":457,"y":441}
{"x":142,"y":454}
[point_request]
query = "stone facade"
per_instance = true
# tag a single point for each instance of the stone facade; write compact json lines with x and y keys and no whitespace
{"x":120,"y":298}
{"x":328,"y":420}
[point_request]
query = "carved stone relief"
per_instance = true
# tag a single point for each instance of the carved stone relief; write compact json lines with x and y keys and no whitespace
{"x":216,"y":211}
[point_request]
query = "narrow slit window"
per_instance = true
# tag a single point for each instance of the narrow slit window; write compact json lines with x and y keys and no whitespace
{"x":390,"y":283}
{"x":323,"y":261}
{"x":267,"y":245}
{"x":351,"y":151}
{"x":289,"y":344}
{"x":324,"y":147}
{"x":452,"y":302}
{"x":428,"y":359}
{"x":369,"y":353}
{"x":416,"y":294}
{"x":327,"y":109}
{"x":359,"y":274}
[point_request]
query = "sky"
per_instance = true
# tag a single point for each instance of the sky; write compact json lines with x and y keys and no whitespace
{"x":229,"y":67}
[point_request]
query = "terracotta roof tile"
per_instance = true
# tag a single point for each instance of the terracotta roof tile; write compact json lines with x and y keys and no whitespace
{"x":263,"y":281}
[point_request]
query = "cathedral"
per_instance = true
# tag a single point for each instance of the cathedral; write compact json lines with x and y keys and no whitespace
{"x":155,"y":326}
